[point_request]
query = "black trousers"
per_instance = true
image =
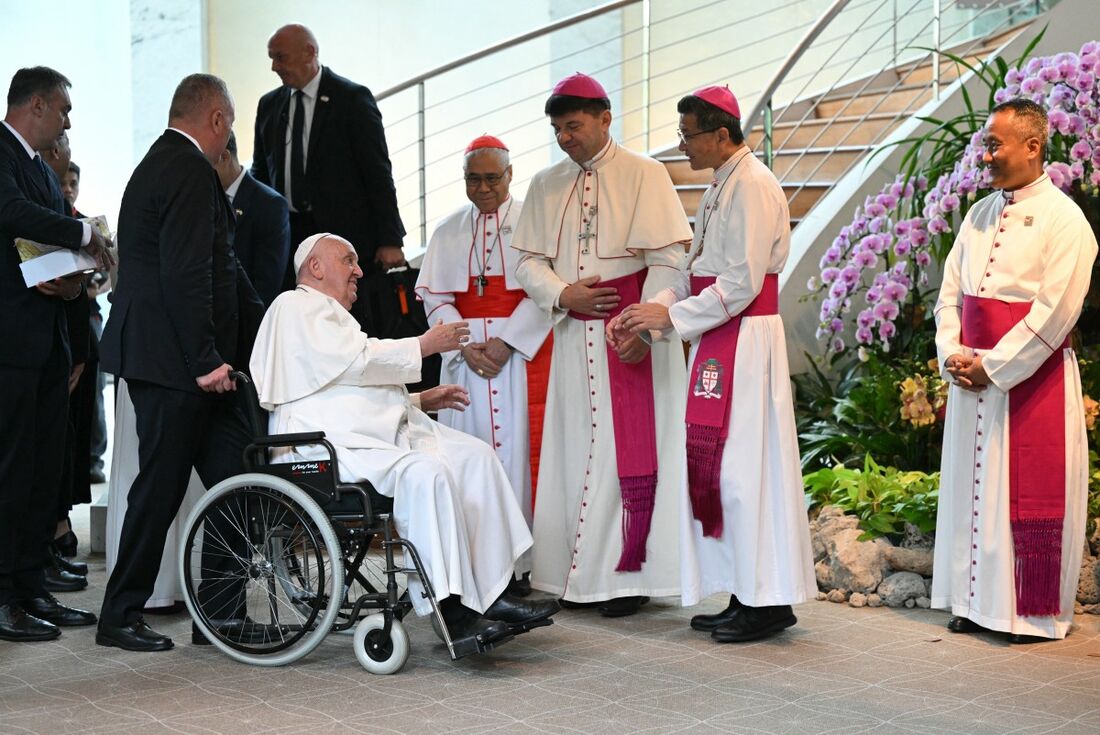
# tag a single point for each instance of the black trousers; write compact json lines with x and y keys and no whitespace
{"x":33,"y":419}
{"x":177,"y":430}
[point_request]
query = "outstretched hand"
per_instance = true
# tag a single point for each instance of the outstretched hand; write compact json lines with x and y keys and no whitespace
{"x":444,"y":396}
{"x":444,"y":338}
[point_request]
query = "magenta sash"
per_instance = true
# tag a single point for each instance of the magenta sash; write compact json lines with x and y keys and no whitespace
{"x":1036,"y":458}
{"x":710,"y":396}
{"x":635,"y":430}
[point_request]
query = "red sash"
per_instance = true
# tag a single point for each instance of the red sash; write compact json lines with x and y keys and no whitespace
{"x":635,"y":430}
{"x":1036,"y":458}
{"x":710,"y":397}
{"x":499,"y":301}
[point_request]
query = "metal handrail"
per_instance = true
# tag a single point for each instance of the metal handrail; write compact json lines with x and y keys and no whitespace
{"x":506,"y":44}
{"x":793,"y":57}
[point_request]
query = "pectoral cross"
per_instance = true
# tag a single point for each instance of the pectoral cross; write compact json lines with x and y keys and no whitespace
{"x":482,"y":282}
{"x":588,"y":234}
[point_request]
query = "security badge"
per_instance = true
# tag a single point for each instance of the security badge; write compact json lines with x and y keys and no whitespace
{"x":709,"y":382}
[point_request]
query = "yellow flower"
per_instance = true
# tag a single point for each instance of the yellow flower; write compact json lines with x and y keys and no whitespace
{"x":1092,"y":410}
{"x":915,"y":407}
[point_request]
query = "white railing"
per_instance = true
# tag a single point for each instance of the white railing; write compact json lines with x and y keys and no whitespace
{"x":647,"y":54}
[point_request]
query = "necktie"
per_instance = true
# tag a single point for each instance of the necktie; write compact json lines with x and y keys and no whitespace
{"x":298,"y":192}
{"x":42,"y":168}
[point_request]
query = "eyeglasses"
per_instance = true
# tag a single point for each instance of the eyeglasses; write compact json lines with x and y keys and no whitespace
{"x":473,"y":180}
{"x":685,"y":137}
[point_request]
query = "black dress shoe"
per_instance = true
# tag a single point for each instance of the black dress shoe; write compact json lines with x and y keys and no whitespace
{"x":754,"y":623}
{"x":78,"y":568}
{"x":16,"y":625}
{"x":520,"y":586}
{"x":571,"y":605}
{"x":1020,"y":639}
{"x":137,"y":636}
{"x":462,"y":622}
{"x":708,"y":623}
{"x":959,"y":624}
{"x":96,"y":476}
{"x":66,"y":543}
{"x":620,"y":607}
{"x":517,"y":611}
{"x":174,"y":609}
{"x":58,"y":580}
{"x":49,"y":609}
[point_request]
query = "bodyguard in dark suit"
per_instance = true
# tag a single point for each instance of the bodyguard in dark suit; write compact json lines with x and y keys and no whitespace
{"x":320,"y":143}
{"x":35,"y":357}
{"x":261,"y":232}
{"x":173,"y":335}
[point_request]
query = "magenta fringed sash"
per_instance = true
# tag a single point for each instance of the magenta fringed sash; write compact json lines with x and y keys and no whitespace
{"x":1036,"y":457}
{"x":635,"y":431}
{"x":710,"y":395}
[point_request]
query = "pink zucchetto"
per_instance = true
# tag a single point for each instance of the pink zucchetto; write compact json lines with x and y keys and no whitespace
{"x":580,"y":85}
{"x":720,"y":97}
{"x":485,"y":141}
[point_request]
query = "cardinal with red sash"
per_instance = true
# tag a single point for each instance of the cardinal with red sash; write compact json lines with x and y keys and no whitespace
{"x":744,"y":529}
{"x":469,"y":275}
{"x":1014,"y":481}
{"x":602,"y":229}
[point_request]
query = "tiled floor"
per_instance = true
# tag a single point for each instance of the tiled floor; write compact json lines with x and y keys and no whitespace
{"x":841,"y":670}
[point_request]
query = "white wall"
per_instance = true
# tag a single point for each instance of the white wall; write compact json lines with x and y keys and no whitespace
{"x":89,"y":42}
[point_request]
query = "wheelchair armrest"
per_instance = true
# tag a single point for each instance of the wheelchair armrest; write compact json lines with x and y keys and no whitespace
{"x":288,"y":440}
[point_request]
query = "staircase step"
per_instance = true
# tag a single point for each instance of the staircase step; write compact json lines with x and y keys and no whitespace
{"x":808,"y":192}
{"x":902,"y":99}
{"x":816,"y":163}
{"x":819,"y":132}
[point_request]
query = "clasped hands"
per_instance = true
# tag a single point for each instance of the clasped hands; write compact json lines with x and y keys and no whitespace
{"x":624,"y":332}
{"x":487,"y":358}
{"x":968,"y":372}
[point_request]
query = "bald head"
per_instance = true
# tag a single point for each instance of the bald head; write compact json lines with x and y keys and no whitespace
{"x":294,"y":55}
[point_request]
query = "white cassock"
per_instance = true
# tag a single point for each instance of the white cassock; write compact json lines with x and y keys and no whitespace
{"x":168,"y":588}
{"x":468,"y":244}
{"x":1038,"y":249}
{"x":316,"y":371}
{"x":637,"y":224}
{"x":742,"y":233}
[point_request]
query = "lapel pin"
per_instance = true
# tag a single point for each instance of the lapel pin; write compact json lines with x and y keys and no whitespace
{"x":239,"y":212}
{"x":324,"y":98}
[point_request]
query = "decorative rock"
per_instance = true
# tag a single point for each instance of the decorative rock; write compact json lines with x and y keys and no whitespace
{"x":1093,"y":609}
{"x":1088,"y":588}
{"x":910,"y":602}
{"x":900,"y":587}
{"x":851,"y":564}
{"x":873,"y":600}
{"x":830,"y":520}
{"x":836,"y":596}
{"x":858,"y":599}
{"x":821,"y":596}
{"x":924,"y":602}
{"x":901,"y":559}
{"x":916,"y":539}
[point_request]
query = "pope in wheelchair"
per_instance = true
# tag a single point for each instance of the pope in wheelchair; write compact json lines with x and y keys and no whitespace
{"x":453,"y":507}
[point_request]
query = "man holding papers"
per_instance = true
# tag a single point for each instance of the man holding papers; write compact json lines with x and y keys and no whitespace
{"x":34,"y":359}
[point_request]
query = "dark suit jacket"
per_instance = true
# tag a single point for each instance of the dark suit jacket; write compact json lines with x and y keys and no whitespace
{"x":31,"y":206}
{"x":174,"y":314}
{"x":262,"y":236}
{"x":351,"y":190}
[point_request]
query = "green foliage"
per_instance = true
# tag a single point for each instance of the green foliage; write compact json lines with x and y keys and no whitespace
{"x":859,"y":412}
{"x":883,"y":498}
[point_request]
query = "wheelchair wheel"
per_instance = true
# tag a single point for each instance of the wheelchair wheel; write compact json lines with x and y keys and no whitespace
{"x":378,"y":653}
{"x":262,"y":570}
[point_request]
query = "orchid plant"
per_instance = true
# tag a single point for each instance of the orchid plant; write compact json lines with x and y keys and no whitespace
{"x":875,"y":276}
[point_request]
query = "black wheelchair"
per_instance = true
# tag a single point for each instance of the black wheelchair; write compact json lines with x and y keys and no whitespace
{"x":274,"y":559}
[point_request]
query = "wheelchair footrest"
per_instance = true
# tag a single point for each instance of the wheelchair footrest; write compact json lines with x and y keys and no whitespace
{"x":528,"y":627}
{"x":474,"y":644}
